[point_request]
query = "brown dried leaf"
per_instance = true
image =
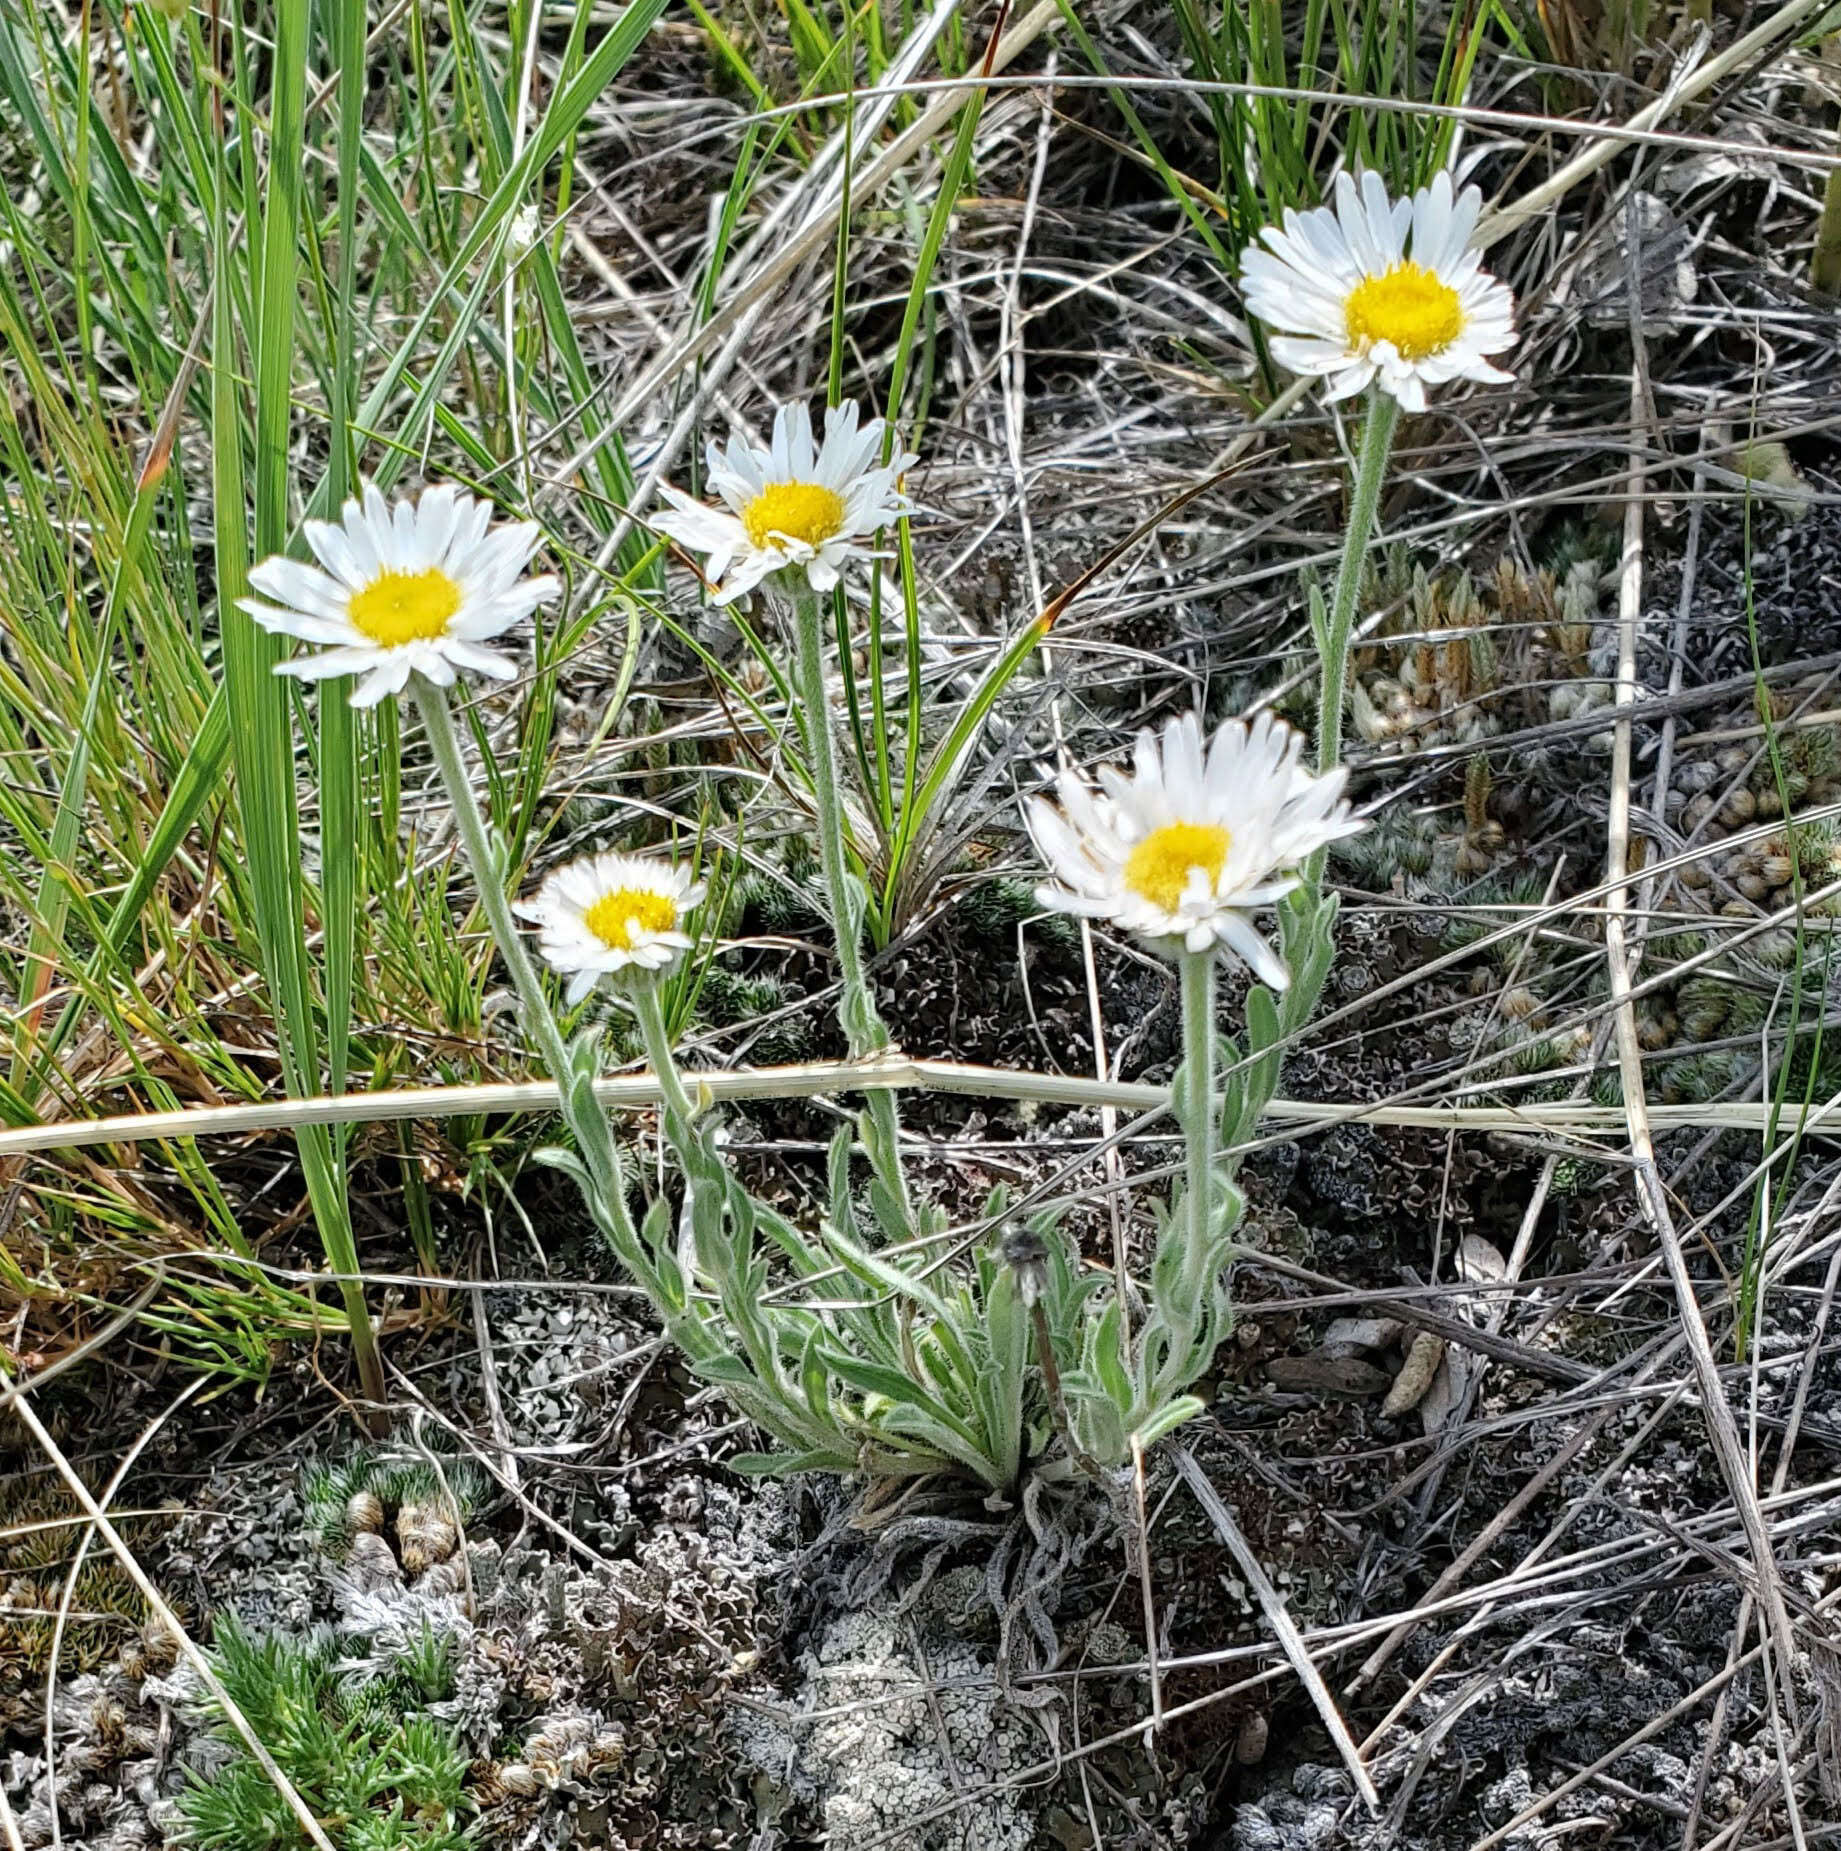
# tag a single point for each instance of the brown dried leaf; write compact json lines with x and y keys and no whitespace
{"x":1478,"y":1259}
{"x":1364,"y":1333}
{"x":1323,"y":1374}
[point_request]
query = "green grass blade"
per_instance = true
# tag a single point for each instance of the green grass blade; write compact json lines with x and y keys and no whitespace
{"x":260,"y":704}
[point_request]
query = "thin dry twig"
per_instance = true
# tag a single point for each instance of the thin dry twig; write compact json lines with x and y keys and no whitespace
{"x":1282,"y":1624}
{"x":1689,"y":85}
{"x":808,"y":1079}
{"x":1141,"y":1548}
{"x":67,"y":1600}
{"x":1721,"y":1426}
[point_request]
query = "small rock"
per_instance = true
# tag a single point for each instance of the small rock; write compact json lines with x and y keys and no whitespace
{"x":1479,"y":1259}
{"x":1250,"y":1743}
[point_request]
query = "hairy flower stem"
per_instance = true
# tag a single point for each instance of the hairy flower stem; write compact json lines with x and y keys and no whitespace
{"x":1198,"y":973}
{"x":863,"y":1030}
{"x":1364,"y":507}
{"x":656,"y":1036}
{"x":678,"y":1114}
{"x":489,"y":873}
{"x":1057,"y":1405}
{"x":593,"y":1135}
{"x":742,"y":1326}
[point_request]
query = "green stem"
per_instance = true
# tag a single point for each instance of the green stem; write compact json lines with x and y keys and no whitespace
{"x":1364,"y":506}
{"x":1825,"y":264}
{"x":1198,"y":973}
{"x":594,"y":1137}
{"x":863,"y":1030}
{"x":656,"y":1036}
{"x":489,"y":877}
{"x":743,"y":1324}
{"x":862,"y":1026}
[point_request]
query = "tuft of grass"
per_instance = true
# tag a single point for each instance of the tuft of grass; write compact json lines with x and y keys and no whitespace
{"x":297,"y":269}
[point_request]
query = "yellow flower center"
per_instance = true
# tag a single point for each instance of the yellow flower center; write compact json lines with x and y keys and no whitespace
{"x":1407,"y":305}
{"x":404,"y":607}
{"x":1159,"y":867}
{"x":612,"y":917}
{"x":805,"y":511}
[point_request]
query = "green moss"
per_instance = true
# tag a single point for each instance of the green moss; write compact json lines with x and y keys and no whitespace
{"x":376,"y":1774}
{"x":105,"y":1606}
{"x":730,"y":999}
{"x":776,"y":902}
{"x":328,"y":1491}
{"x":995,"y":908}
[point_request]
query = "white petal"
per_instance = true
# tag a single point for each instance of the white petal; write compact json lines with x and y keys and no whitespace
{"x":480,"y":661}
{"x":304,"y":587}
{"x":295,"y":623}
{"x":388,"y":678}
{"x":329,"y":662}
{"x":1239,"y":937}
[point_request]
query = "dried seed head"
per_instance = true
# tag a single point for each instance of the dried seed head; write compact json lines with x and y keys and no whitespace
{"x":1476,"y":791}
{"x":1651,"y":1032}
{"x":1739,"y":808}
{"x":425,"y":1534}
{"x":1570,"y":1044}
{"x":1026,"y":1254}
{"x":364,"y":1510}
{"x":159,"y":1645}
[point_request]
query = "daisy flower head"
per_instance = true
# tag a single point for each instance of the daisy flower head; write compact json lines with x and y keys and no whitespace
{"x":1197,"y":834}
{"x":402,"y":588}
{"x":792,"y":503}
{"x":1384,"y":290}
{"x":609,"y":913}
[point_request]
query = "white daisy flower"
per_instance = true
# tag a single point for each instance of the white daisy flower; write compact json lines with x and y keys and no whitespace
{"x":403,"y":588}
{"x":1183,"y":847}
{"x":1357,"y":307}
{"x":794,"y":503}
{"x":608,"y":913}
